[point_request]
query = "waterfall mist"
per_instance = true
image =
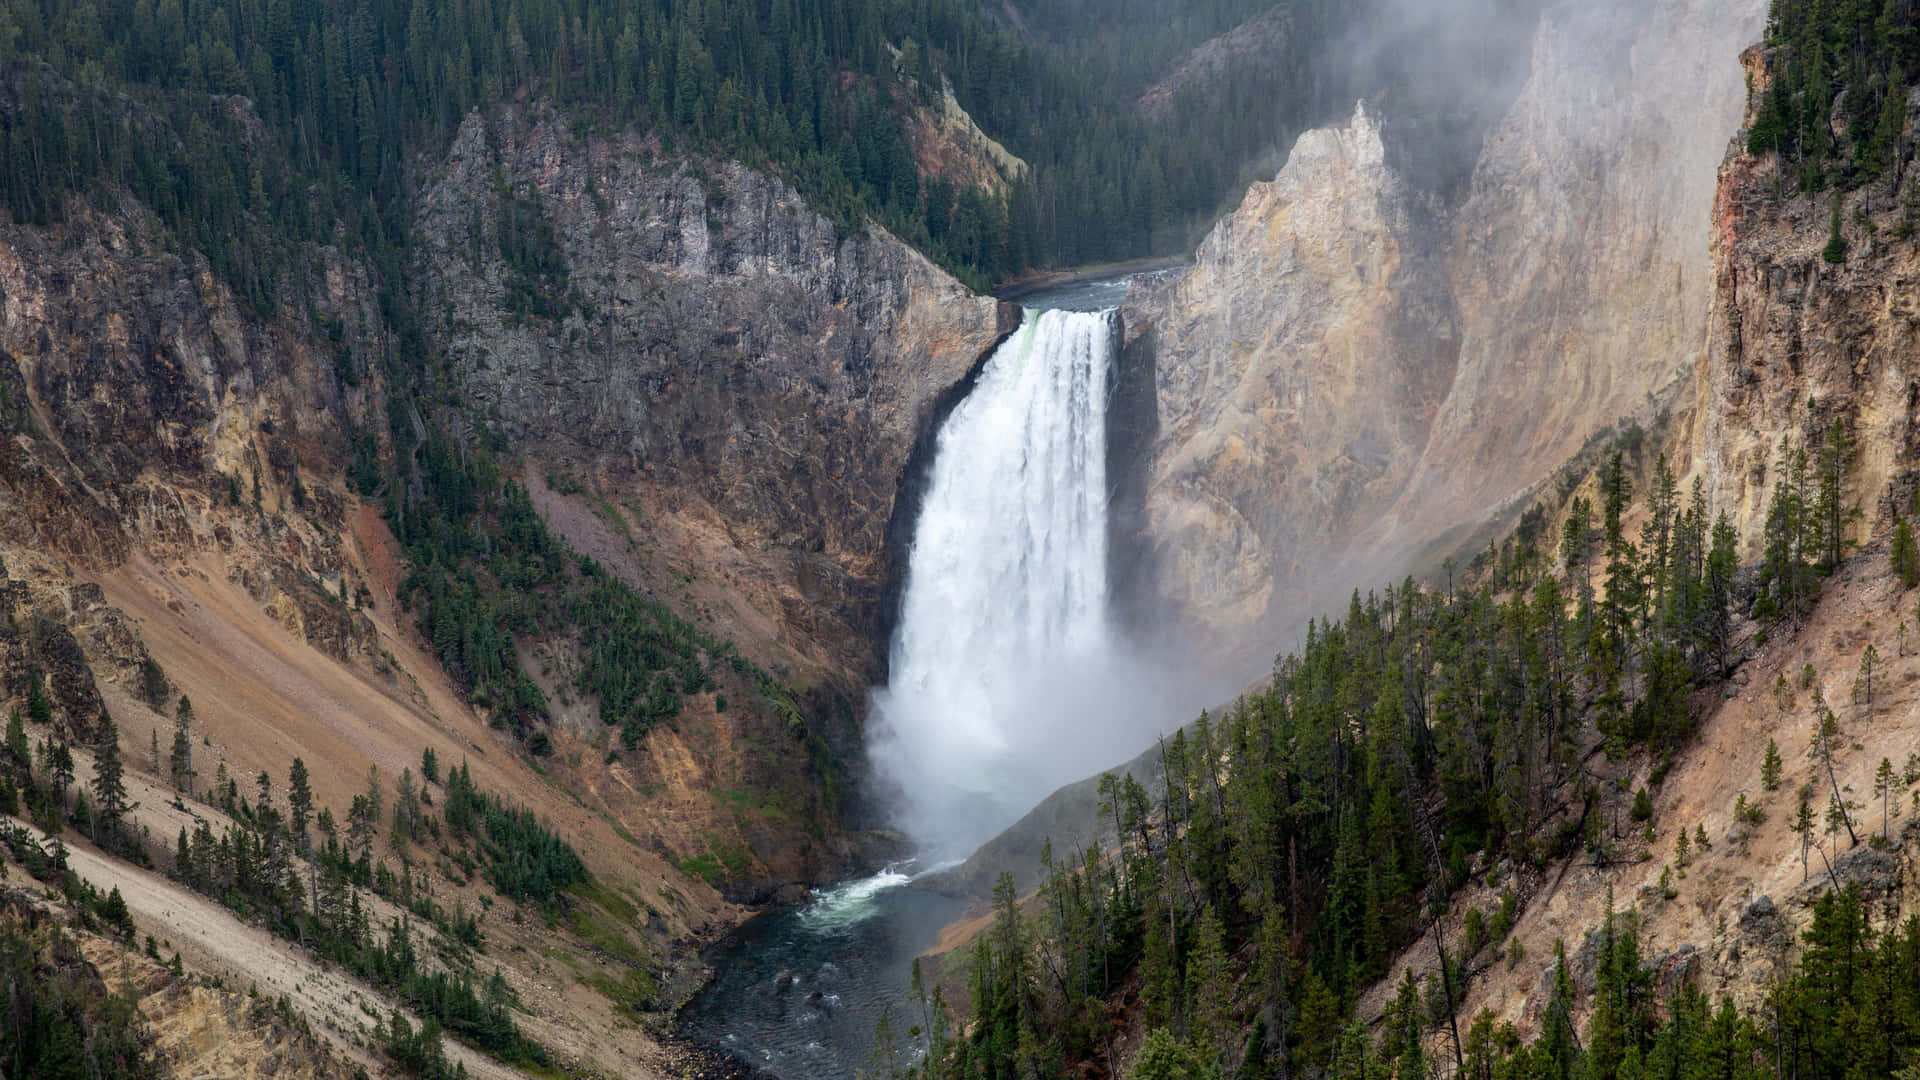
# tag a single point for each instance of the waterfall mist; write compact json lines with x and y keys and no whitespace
{"x":1010,"y":676}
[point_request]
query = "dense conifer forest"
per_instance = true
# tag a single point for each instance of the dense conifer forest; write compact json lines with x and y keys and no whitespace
{"x":1840,"y":72}
{"x":258,"y":124}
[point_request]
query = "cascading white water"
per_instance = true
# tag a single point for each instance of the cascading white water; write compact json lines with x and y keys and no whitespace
{"x":1008,"y":676}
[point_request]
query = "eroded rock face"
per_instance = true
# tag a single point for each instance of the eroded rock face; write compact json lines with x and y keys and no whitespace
{"x":137,"y":396}
{"x":1797,"y":342}
{"x":1580,"y":261}
{"x":1296,"y":368}
{"x":1350,"y":375}
{"x":725,"y":353}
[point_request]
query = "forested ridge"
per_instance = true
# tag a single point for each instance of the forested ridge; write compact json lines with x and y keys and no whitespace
{"x":256,"y":124}
{"x":1477,"y":729}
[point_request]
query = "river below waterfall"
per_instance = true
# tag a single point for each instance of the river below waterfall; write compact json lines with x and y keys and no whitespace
{"x":799,"y":993}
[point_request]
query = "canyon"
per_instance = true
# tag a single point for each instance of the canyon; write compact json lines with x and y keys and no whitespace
{"x":729,"y":401}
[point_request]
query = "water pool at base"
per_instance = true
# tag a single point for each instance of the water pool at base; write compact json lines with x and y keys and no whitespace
{"x":798,"y":994}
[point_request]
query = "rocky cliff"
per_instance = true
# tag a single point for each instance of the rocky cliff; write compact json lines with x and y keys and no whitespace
{"x":1427,"y":364}
{"x":713,"y":390}
{"x":147,"y":414}
{"x":1798,"y":342}
{"x":712,"y":352}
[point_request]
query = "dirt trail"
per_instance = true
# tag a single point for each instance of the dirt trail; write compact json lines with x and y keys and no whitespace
{"x":213,"y":940}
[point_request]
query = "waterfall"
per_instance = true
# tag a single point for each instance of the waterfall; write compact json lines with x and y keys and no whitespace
{"x":1008,"y":677}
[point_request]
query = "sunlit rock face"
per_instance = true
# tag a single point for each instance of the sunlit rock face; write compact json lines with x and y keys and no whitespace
{"x":1353,"y":373}
{"x":1296,"y":372}
{"x":1796,"y":343}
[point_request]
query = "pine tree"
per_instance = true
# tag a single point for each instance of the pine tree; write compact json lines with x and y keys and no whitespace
{"x":361,"y":827}
{"x":1863,"y":684}
{"x":1835,"y":461}
{"x":374,"y":803}
{"x":1722,"y":565}
{"x":153,"y":684}
{"x":299,"y":802}
{"x":60,"y":770}
{"x":39,"y":706}
{"x":1883,"y":782}
{"x":1209,"y":987}
{"x":180,"y":761}
{"x":18,"y":753}
{"x":109,"y":782}
{"x":1558,"y":1042}
{"x":1826,"y":729}
{"x":1770,"y":767}
{"x":1905,"y":555}
{"x":1803,"y":826}
{"x":1783,"y":570}
{"x":1881,"y":155}
{"x":1409,"y":1022}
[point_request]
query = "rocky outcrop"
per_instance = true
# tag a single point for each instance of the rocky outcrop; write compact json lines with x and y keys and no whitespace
{"x":1351,"y":374}
{"x":710,"y":349}
{"x":948,"y":144}
{"x":1798,"y":342}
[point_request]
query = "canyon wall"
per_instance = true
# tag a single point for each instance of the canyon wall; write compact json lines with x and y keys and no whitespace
{"x":1339,"y":401}
{"x":1794,"y":343}
{"x":1295,"y":377}
{"x":718,"y":354}
{"x":714,"y":391}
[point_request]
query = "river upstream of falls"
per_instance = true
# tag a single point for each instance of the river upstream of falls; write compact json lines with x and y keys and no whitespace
{"x":1008,"y":680}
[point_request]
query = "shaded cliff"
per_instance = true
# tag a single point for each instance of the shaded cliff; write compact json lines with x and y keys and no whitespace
{"x":712,"y":351}
{"x":1580,"y":260}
